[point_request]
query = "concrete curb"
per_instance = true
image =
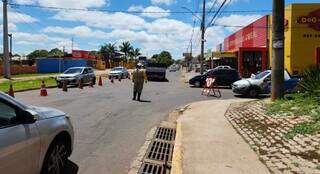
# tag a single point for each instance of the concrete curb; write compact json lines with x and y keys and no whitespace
{"x":177,"y":151}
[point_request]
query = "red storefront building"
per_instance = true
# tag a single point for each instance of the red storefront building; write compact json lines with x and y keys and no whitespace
{"x":250,"y":45}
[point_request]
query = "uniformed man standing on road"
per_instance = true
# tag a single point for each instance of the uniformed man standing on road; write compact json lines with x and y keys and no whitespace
{"x":139,"y":76}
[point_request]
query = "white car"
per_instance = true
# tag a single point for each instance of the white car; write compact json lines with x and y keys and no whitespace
{"x":33,"y":140}
{"x":73,"y":75}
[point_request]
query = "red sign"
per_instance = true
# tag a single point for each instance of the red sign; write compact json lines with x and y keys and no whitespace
{"x":253,"y":35}
{"x":80,"y":54}
{"x":312,"y":20}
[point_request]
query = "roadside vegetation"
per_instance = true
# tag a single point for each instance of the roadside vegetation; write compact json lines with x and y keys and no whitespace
{"x":26,"y":84}
{"x":31,"y":75}
{"x":304,"y":103}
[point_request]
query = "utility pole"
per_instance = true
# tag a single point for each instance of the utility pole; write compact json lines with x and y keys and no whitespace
{"x":203,"y":30}
{"x":6,"y":58}
{"x":10,"y":52}
{"x":277,"y":77}
{"x":71,"y":45}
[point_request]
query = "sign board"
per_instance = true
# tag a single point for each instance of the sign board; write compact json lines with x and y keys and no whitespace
{"x":224,"y":54}
{"x":253,"y":35}
{"x":312,"y":20}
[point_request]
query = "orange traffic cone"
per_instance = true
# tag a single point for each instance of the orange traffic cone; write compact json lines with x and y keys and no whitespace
{"x":100,"y":81}
{"x":65,"y":86}
{"x":129,"y":76}
{"x":11,"y":92}
{"x":43,"y":90}
{"x":111,"y":80}
{"x":80,"y":84}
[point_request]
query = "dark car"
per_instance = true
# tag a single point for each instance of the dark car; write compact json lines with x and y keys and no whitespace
{"x":224,"y":77}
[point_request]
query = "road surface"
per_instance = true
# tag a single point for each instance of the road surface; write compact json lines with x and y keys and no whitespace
{"x":109,"y":127}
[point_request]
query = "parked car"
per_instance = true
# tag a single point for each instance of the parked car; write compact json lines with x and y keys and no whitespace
{"x":33,"y":140}
{"x":261,"y":84}
{"x":156,"y":71}
{"x":224,"y":77}
{"x":174,"y":68}
{"x":223,"y":67}
{"x":75,"y":74}
{"x":117,"y":72}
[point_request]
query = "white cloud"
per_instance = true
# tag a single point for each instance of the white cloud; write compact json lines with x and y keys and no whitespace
{"x":135,"y":8}
{"x":11,"y":27}
{"x":17,"y":17}
{"x":103,"y":20}
{"x":79,"y":31}
{"x":28,"y":2}
{"x":166,"y":2}
{"x":237,"y":20}
{"x":155,"y":12}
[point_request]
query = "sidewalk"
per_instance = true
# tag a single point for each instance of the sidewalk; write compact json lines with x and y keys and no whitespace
{"x":206,"y":143}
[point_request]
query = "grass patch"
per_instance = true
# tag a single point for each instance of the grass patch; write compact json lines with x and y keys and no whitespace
{"x":26,"y":84}
{"x":31,"y":75}
{"x":299,"y":105}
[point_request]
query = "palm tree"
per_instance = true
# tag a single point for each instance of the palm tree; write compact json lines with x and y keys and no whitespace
{"x":126,"y":48}
{"x":108,"y":50}
{"x":136,"y":53}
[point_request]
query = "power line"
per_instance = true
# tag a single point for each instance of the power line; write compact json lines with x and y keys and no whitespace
{"x":134,"y":12}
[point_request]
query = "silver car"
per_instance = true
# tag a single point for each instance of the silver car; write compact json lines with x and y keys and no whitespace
{"x":119,"y":72}
{"x":33,"y":140}
{"x":73,"y":75}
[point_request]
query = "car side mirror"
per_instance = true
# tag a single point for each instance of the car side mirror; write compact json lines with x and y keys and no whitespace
{"x":28,"y":117}
{"x":267,"y":79}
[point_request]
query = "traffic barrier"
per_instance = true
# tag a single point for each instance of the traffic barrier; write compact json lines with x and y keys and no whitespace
{"x":80,"y":84}
{"x":11,"y":92}
{"x":43,"y":90}
{"x":65,"y":86}
{"x":100,"y":81}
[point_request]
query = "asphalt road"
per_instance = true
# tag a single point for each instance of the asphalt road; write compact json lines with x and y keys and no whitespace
{"x":109,"y":127}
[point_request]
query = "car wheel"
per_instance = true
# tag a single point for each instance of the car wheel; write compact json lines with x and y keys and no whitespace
{"x":253,"y":93}
{"x":59,"y":85}
{"x":56,"y":159}
{"x":197,"y":84}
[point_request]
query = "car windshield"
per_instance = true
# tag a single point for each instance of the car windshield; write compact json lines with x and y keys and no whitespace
{"x":117,"y":69}
{"x":73,"y":71}
{"x":261,"y":75}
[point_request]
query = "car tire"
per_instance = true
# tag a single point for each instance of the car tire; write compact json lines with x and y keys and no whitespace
{"x":253,"y":93}
{"x":59,"y":85}
{"x":197,"y":84}
{"x":55,"y":159}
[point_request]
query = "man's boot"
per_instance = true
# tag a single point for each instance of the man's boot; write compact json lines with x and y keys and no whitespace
{"x":139,"y":95}
{"x":134,"y":96}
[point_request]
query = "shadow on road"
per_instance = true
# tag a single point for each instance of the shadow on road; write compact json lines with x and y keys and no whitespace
{"x":71,"y":168}
{"x":145,"y":101}
{"x":259,"y":97}
{"x":158,"y":80}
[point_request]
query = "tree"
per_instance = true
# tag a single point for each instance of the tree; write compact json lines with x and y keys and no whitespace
{"x":135,"y":53}
{"x":38,"y":53}
{"x":126,"y":48}
{"x":164,"y":57}
{"x":108,"y":50}
{"x":56,"y":53}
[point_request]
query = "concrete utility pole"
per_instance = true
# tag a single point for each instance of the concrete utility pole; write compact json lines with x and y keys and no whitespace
{"x":277,"y":77}
{"x":10,"y":52}
{"x":6,"y":57}
{"x":203,"y":30}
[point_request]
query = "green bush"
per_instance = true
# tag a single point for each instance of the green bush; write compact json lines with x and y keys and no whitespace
{"x":310,"y":82}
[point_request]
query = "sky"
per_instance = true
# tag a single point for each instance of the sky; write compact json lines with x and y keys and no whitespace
{"x":151,"y":25}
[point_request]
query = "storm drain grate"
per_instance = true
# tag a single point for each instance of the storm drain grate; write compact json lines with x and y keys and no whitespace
{"x":160,"y":151}
{"x":148,"y":168}
{"x":166,"y":134}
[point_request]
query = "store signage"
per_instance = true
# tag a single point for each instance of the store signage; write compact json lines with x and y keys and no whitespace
{"x":312,"y":20}
{"x":223,"y":54}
